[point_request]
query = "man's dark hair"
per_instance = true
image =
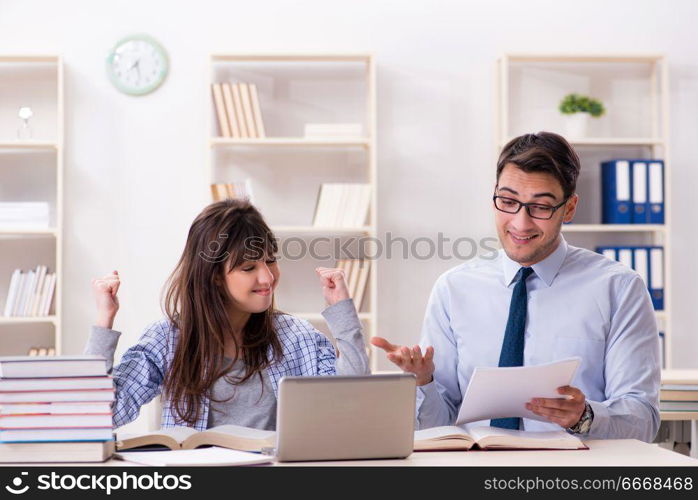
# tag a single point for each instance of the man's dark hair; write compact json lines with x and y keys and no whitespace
{"x":543,"y":152}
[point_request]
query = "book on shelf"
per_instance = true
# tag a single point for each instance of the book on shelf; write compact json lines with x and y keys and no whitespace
{"x":342,"y":205}
{"x":238,"y":111}
{"x":647,"y":261}
{"x":333,"y":130}
{"x":221,"y":115}
{"x":30,"y":293}
{"x":247,"y":109}
{"x":679,"y":395}
{"x":256,"y":110}
{"x":632,"y":191}
{"x":83,"y":365}
{"x":493,"y":438}
{"x":68,"y":451}
{"x":212,"y":456}
{"x":230,"y":110}
{"x":234,"y":190}
{"x":356,"y":273}
{"x":24,"y":214}
{"x":234,"y":437}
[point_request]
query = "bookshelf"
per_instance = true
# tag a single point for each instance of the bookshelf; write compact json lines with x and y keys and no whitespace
{"x":31,"y":169}
{"x":286,"y":168}
{"x":634,"y":89}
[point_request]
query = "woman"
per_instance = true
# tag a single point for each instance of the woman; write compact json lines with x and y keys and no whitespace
{"x":219,"y":353}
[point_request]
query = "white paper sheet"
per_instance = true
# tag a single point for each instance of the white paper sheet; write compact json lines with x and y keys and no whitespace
{"x":200,"y":456}
{"x":504,"y":392}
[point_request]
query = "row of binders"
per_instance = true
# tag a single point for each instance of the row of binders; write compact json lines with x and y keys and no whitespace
{"x":55,"y":409}
{"x":632,"y":191}
{"x":342,"y":205}
{"x":356,"y":273}
{"x":237,"y":110}
{"x":648,"y":262}
{"x":232,"y":190}
{"x":30,"y":292}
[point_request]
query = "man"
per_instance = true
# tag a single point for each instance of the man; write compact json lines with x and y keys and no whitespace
{"x":541,"y":300}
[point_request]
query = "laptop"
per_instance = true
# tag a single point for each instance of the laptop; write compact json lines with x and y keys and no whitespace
{"x":345,"y":417}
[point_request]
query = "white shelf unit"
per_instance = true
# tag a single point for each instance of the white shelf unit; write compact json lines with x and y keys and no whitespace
{"x":32,"y":170}
{"x":287,"y":169}
{"x":635,"y":91}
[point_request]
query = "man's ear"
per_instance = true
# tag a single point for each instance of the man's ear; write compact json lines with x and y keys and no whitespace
{"x":571,"y":208}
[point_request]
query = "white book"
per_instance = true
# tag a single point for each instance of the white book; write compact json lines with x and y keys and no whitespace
{"x":54,"y":421}
{"x":21,"y":283}
{"x":639,"y":191}
{"x":12,"y":292}
{"x":223,"y":127}
{"x":364,"y":205}
{"x":36,"y":294}
{"x":322,"y":210}
{"x":213,"y":456}
{"x":26,"y":292}
{"x":340,"y":207}
{"x":657,"y":268}
{"x":49,"y":295}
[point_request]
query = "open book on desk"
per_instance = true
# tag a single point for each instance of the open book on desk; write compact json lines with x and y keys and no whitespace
{"x":234,"y":437}
{"x":493,"y":438}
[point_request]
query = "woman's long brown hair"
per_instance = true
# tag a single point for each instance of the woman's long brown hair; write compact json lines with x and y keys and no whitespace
{"x":196,"y":301}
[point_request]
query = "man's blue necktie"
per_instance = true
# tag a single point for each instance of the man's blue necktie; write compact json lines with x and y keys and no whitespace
{"x":513,"y":344}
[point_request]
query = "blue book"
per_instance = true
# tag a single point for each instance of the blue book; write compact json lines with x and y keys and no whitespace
{"x":656,"y":276}
{"x":609,"y":252}
{"x":655,"y":184}
{"x":639,"y":192}
{"x":616,"y":191}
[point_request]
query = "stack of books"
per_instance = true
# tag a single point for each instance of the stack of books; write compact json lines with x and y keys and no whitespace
{"x":342,"y":205}
{"x":356,"y":272}
{"x":24,"y":215}
{"x":30,"y":293}
{"x":235,"y":190}
{"x":55,"y":409}
{"x":679,"y":391}
{"x":633,"y":191}
{"x":333,"y":130}
{"x":237,"y":110}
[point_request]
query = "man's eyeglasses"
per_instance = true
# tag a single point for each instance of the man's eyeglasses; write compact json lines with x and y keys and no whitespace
{"x":535,"y":210}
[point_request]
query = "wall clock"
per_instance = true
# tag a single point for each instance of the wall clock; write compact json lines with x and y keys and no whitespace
{"x":137,"y":65}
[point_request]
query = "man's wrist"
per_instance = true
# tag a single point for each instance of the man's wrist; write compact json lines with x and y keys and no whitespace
{"x":425,"y":381}
{"x":584,"y":423}
{"x":105,"y":321}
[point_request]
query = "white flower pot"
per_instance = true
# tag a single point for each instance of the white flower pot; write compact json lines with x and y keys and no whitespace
{"x":576,"y":125}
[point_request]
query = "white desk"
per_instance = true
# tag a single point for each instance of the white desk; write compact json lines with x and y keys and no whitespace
{"x":616,"y":452}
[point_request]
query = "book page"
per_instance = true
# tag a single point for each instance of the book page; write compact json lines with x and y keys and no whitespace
{"x":504,"y":392}
{"x":232,"y":436}
{"x":502,"y":437}
{"x":443,"y":432}
{"x":161,"y":436}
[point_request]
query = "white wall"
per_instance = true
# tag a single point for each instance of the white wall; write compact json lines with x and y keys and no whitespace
{"x":136,"y":167}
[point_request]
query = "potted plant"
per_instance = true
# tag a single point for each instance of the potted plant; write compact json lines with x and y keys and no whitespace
{"x":577,"y":109}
